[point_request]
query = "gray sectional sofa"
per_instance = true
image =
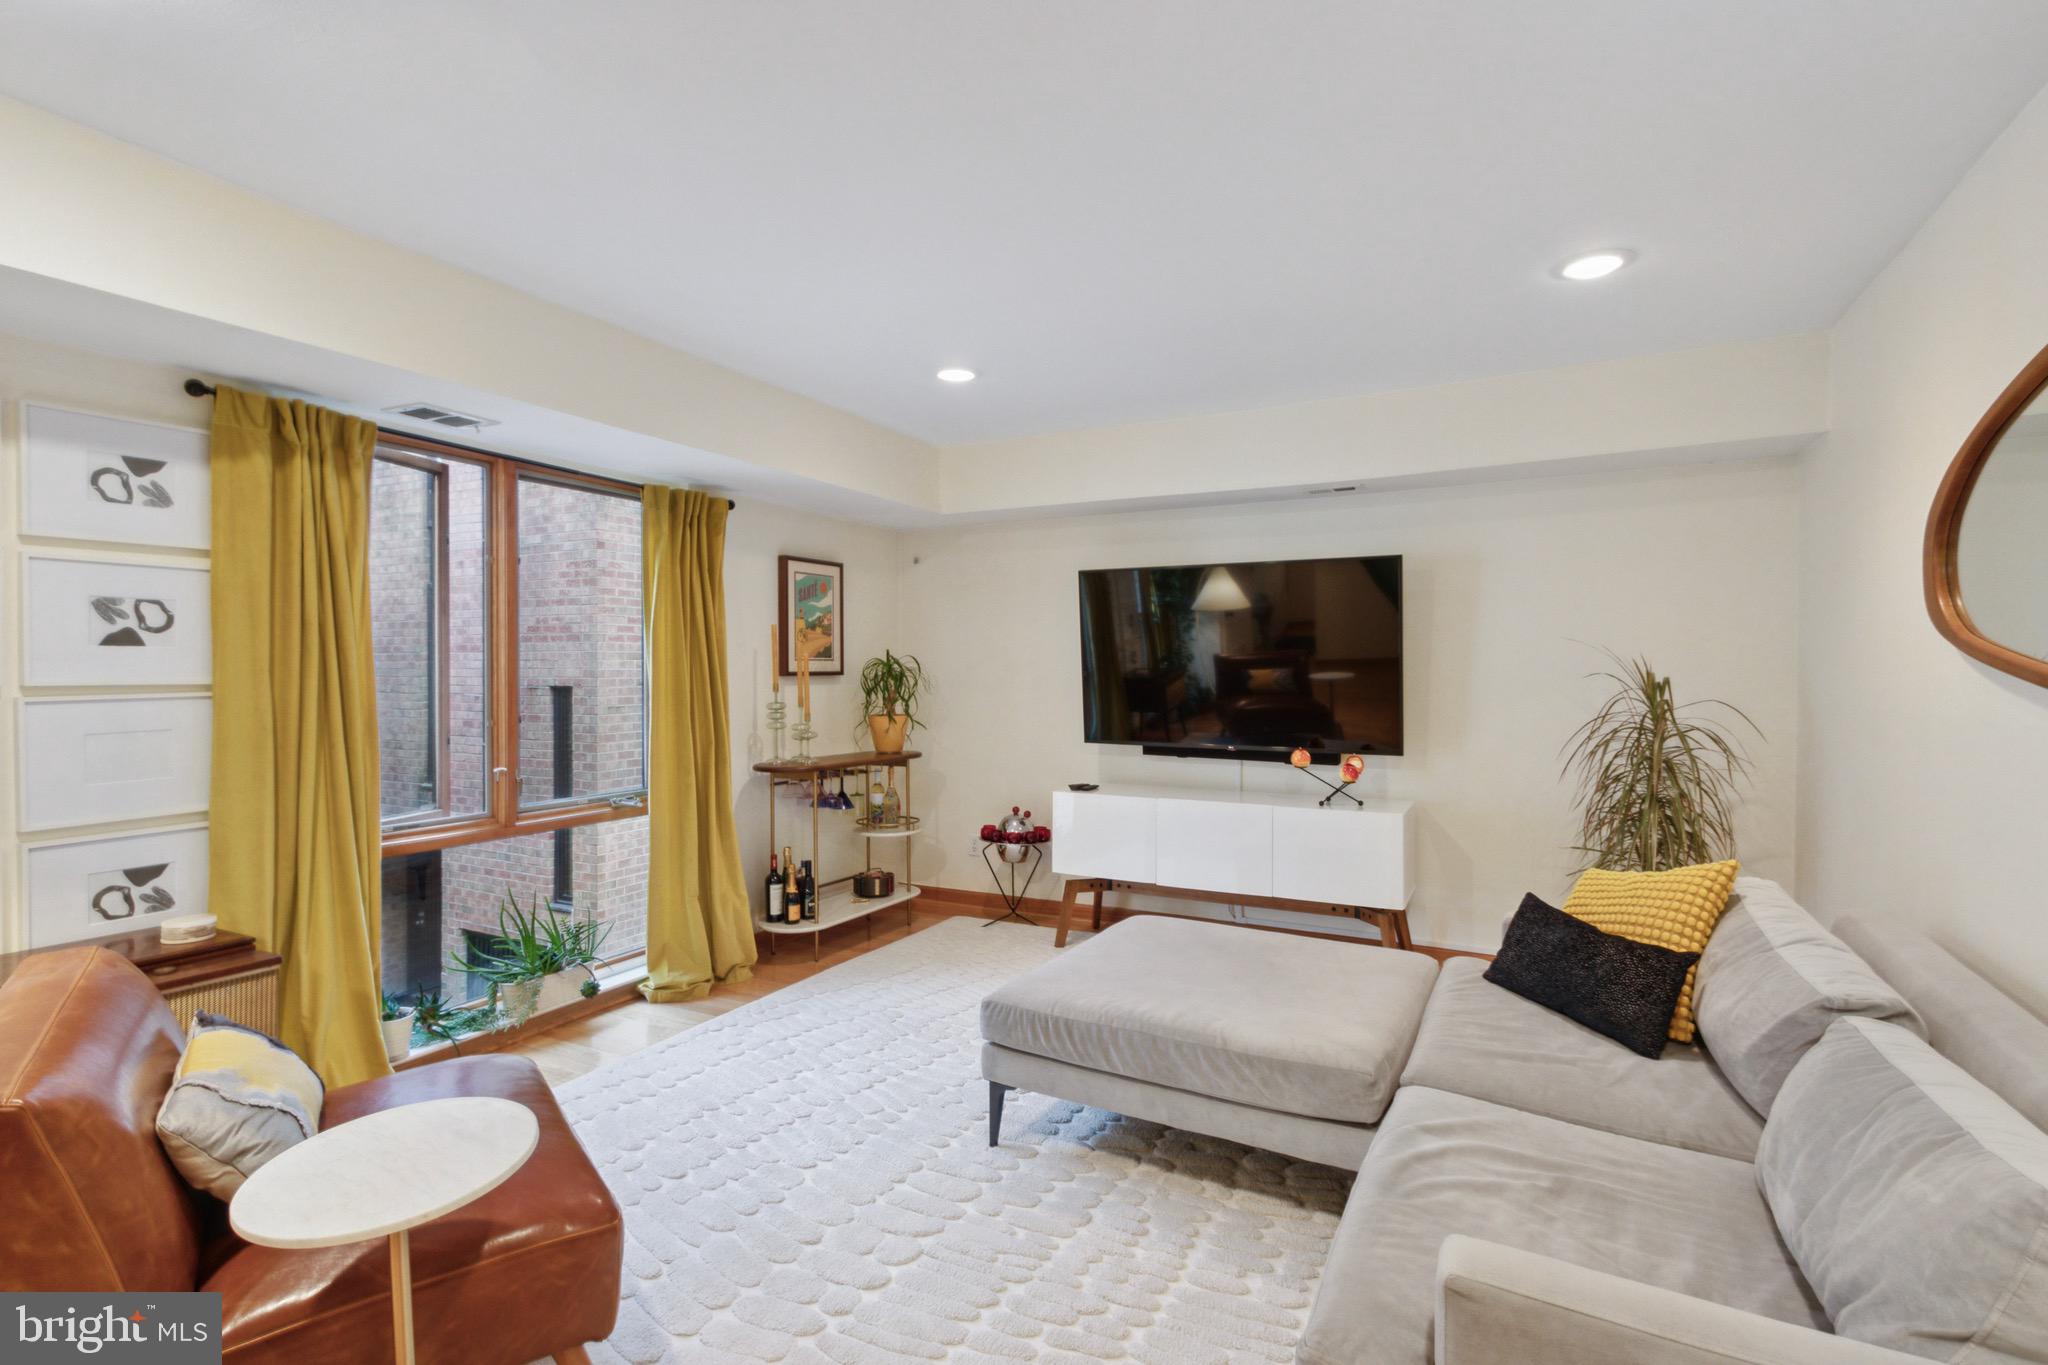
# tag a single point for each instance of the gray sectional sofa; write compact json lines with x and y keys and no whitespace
{"x":1848,"y":1168}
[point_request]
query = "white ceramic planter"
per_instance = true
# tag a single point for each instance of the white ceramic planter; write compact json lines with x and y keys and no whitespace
{"x":562,"y":988}
{"x":521,"y":1000}
{"x":397,"y":1037}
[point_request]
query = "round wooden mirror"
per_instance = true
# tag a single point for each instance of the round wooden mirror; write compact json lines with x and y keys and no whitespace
{"x":1986,"y":555}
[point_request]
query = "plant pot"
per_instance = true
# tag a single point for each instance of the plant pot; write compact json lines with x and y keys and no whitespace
{"x":889,"y":733}
{"x":398,"y":1037}
{"x":563,"y":988}
{"x":518,"y":1000}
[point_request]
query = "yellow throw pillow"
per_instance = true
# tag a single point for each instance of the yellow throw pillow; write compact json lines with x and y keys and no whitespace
{"x":240,"y":1097}
{"x":1676,"y":909}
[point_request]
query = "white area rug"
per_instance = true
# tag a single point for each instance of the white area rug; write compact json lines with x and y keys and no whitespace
{"x":807,"y":1179}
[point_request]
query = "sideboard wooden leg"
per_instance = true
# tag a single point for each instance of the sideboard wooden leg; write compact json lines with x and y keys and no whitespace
{"x":1068,"y":896}
{"x":1098,"y":907}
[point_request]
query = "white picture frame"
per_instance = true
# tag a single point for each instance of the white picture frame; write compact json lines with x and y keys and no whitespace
{"x":114,"y":622}
{"x":88,"y":760}
{"x":112,"y":883}
{"x":86,"y":476}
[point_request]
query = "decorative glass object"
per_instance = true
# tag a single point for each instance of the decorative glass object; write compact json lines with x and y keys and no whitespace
{"x":892,"y":806}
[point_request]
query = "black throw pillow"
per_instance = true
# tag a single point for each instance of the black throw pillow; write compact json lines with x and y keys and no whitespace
{"x":1612,"y":985}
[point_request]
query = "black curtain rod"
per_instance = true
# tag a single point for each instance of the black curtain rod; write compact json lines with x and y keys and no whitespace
{"x":199,"y":388}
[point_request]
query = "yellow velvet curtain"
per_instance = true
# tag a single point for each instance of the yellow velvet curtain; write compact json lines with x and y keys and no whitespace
{"x":295,"y":832}
{"x":699,"y":930}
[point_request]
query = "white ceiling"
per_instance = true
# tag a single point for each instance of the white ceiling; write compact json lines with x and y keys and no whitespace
{"x":1114,"y":210}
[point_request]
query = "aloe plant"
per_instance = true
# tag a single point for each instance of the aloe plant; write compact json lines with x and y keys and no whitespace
{"x":433,"y":1018}
{"x":533,"y":943}
{"x":1657,"y":779}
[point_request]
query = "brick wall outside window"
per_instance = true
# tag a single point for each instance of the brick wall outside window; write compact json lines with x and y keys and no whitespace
{"x":580,"y":627}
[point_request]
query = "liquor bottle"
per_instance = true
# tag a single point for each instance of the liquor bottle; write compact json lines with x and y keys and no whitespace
{"x":792,"y":905}
{"x":875,"y":800}
{"x":892,"y":806}
{"x":775,"y":914}
{"x":808,"y":886}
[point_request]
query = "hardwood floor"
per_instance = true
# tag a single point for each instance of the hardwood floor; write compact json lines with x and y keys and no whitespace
{"x":582,"y":1045}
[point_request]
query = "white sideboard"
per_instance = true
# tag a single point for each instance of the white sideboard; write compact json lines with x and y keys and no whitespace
{"x":1263,"y":844}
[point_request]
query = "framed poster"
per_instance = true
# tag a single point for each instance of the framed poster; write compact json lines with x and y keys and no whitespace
{"x":113,"y":883}
{"x":90,"y":759}
{"x":104,"y":622}
{"x":88,"y":477}
{"x":813,"y":597}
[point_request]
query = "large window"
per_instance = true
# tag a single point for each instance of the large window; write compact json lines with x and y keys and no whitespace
{"x":506,"y":621}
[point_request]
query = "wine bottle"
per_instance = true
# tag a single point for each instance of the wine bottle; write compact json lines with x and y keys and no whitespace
{"x":892,"y":806}
{"x":775,"y":913}
{"x":808,"y":885}
{"x":792,"y":906}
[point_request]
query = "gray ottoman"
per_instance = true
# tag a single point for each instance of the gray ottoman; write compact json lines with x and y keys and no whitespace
{"x":1278,"y":1041}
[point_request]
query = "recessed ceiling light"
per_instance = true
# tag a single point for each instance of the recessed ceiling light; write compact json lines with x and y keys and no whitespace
{"x":954,"y":374}
{"x":1595,"y":265}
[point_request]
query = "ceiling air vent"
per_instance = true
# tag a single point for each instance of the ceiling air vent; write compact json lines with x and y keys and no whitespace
{"x":442,"y":417}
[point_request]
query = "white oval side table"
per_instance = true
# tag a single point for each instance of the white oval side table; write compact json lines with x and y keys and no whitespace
{"x":381,"y":1175}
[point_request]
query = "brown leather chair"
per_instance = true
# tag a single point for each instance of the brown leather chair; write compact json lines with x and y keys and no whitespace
{"x":89,"y":1201}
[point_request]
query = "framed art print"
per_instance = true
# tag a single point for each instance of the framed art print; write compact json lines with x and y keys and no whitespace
{"x":85,"y":760}
{"x":813,"y":597}
{"x":104,"y":622}
{"x":110,"y":884}
{"x":88,"y":477}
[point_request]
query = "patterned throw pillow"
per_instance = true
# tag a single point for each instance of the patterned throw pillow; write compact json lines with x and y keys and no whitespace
{"x":1676,"y":909}
{"x":240,"y":1097}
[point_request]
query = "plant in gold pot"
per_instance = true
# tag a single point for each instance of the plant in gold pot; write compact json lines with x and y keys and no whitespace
{"x":1657,"y":778}
{"x":889,"y":690}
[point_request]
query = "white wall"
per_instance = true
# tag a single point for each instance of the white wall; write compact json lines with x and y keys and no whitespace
{"x":1922,"y":771}
{"x":1742,"y":400}
{"x":1695,"y":567}
{"x":755,"y":537}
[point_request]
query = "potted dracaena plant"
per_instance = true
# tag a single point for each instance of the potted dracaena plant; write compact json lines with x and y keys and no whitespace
{"x":889,"y":690}
{"x":1657,"y":778}
{"x":541,"y":959}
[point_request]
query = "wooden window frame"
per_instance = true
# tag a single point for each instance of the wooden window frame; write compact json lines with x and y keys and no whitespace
{"x":502,"y":818}
{"x":437,"y":634}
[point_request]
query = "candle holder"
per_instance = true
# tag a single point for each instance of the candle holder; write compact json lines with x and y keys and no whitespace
{"x":1350,"y":768}
{"x":803,"y":734}
{"x":778,"y":713}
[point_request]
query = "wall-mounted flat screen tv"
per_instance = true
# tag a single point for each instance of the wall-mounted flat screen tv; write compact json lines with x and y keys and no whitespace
{"x":1245,"y":660}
